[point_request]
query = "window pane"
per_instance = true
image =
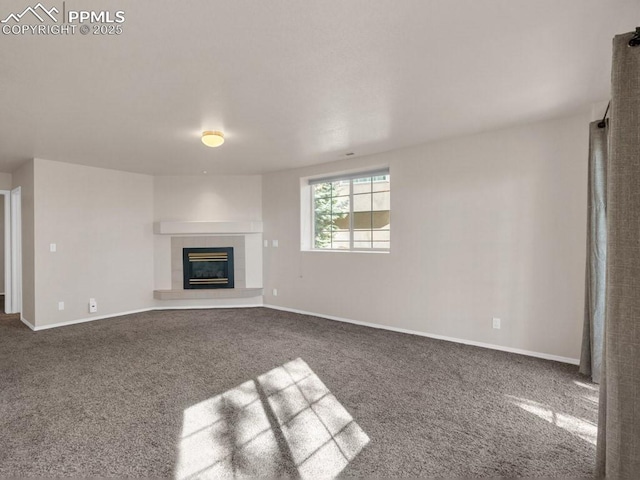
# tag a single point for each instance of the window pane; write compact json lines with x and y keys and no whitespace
{"x":381,"y":201}
{"x":352,"y":213}
{"x":322,"y":206}
{"x":341,"y":246}
{"x":362,"y":220}
{"x":324,"y":238}
{"x":340,"y":204}
{"x":331,"y":213}
{"x":340,"y":187}
{"x":381,"y":235}
{"x":362,"y":202}
{"x":362,"y":185}
{"x":323,"y":222}
{"x":362,"y":235}
{"x":361,"y":180}
{"x":322,"y":190}
{"x":381,"y":219}
{"x":381,"y":185}
{"x":340,"y":236}
{"x":340,"y":222}
{"x":381,"y":244}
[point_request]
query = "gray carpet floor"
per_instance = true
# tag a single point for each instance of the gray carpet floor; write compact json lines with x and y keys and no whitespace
{"x":215,"y":393}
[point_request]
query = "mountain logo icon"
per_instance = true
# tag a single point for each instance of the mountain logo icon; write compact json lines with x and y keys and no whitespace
{"x":39,"y":11}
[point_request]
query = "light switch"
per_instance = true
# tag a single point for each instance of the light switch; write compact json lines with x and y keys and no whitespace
{"x":52,"y":247}
{"x":274,"y":243}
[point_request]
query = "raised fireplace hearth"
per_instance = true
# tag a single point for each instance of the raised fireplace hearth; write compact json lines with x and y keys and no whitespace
{"x":208,"y":267}
{"x":247,"y":263}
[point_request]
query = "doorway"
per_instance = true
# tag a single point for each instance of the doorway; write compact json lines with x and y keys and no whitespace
{"x":11,"y":249}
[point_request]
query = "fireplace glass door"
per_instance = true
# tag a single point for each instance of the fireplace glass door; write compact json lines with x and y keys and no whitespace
{"x":208,"y":267}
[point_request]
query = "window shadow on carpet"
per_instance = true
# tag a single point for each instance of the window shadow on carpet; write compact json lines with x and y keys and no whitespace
{"x":284,"y":423}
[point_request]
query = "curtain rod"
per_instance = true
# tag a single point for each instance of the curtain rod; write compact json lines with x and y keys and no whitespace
{"x":635,"y":40}
{"x":602,"y":123}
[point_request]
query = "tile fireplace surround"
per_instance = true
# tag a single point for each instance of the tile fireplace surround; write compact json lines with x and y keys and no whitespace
{"x":235,"y":242}
{"x":211,"y":234}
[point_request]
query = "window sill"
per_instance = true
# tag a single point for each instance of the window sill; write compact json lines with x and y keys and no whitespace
{"x":327,"y":250}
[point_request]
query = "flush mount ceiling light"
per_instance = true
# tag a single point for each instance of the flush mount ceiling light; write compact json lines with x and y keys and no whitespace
{"x":212,"y":138}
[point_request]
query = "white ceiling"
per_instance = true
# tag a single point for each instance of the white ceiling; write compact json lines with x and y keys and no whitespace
{"x":296,"y":82}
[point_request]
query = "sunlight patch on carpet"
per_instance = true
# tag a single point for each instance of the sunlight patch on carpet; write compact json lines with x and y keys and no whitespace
{"x":574,"y":425}
{"x":592,"y":395}
{"x":285,"y":422}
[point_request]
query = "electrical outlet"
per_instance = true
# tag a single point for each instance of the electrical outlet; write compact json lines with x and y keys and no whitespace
{"x":496,"y":323}
{"x":275,"y":292}
{"x":93,"y":305}
{"x":60,"y":305}
{"x":53,"y":247}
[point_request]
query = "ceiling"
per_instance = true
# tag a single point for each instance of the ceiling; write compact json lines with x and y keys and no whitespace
{"x":294,"y":83}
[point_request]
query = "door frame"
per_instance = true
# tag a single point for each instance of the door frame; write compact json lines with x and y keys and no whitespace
{"x":12,"y":250}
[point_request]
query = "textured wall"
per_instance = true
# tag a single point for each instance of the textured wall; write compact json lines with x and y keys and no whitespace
{"x":491,"y":225}
{"x":224,"y":198}
{"x":101,"y":222}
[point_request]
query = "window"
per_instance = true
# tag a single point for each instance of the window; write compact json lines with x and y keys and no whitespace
{"x":351,"y":212}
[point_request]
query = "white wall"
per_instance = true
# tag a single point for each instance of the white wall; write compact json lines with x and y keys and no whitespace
{"x":491,"y":225}
{"x":205,"y":198}
{"x":6,"y":181}
{"x":102,"y":224}
{"x":208,"y":198}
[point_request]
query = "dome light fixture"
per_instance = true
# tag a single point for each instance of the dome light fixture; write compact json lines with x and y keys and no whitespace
{"x":212,"y":138}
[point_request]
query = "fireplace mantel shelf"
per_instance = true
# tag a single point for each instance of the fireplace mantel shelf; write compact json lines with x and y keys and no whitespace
{"x":203,"y":228}
{"x":205,"y":294}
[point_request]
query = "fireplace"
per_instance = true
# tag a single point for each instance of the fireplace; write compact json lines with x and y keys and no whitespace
{"x":207,"y":267}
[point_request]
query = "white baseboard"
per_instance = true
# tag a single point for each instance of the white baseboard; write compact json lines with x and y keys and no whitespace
{"x":546,"y":356}
{"x":26,"y":322}
{"x":120,"y":314}
{"x":208,"y":307}
{"x":89,"y":319}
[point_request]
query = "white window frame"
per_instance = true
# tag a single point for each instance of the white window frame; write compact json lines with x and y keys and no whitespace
{"x":308,"y":211}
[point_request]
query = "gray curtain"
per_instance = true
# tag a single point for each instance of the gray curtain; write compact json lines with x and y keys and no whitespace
{"x":594,"y":295}
{"x":618,"y":450}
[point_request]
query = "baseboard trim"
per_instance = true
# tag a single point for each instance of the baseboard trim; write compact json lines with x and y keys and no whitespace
{"x":26,"y":322}
{"x":89,"y":319}
{"x":208,"y":307}
{"x":529,"y":353}
{"x":130,"y":312}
